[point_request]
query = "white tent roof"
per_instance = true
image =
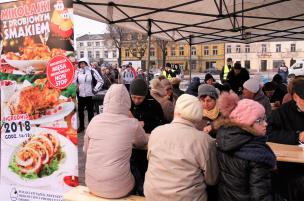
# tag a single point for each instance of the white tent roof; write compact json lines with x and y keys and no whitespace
{"x":205,"y":21}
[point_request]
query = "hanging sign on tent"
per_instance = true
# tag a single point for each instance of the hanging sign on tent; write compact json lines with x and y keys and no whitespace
{"x":38,"y":137}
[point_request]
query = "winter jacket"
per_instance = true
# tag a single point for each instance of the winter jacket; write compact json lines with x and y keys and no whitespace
{"x":108,"y":145}
{"x":127,"y":77}
{"x":182,"y":161}
{"x":236,"y":81}
{"x":245,"y":162}
{"x":279,"y":93}
{"x":285,"y":124}
{"x":150,"y":112}
{"x":84,"y":80}
{"x":176,"y":91}
{"x":261,"y":98}
{"x":193,"y":87}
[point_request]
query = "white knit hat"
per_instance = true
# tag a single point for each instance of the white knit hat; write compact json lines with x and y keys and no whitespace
{"x":189,"y":108}
{"x":252,"y":85}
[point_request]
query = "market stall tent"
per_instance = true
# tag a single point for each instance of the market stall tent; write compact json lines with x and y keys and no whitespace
{"x":204,"y":21}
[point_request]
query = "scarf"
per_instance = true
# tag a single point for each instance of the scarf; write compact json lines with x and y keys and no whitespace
{"x":211,"y":114}
{"x":258,"y":151}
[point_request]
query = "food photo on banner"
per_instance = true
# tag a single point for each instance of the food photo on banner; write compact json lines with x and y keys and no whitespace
{"x":39,"y":158}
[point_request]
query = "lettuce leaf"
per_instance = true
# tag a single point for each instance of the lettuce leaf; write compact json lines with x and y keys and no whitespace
{"x":45,"y":170}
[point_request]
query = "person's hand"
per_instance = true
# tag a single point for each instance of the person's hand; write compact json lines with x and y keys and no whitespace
{"x":142,"y":123}
{"x":301,"y":137}
{"x":207,"y":129}
{"x":130,"y":115}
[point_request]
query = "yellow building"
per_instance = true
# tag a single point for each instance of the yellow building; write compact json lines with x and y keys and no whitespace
{"x":203,"y":56}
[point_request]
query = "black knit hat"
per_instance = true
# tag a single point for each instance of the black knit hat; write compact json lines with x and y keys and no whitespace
{"x":208,"y":76}
{"x":298,"y":88}
{"x":138,"y":87}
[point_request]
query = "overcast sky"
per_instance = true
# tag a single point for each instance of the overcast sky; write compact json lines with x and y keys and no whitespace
{"x":84,"y":26}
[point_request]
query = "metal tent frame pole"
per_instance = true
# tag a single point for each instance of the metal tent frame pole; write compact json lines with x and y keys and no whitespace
{"x":190,"y":59}
{"x":149,"y":49}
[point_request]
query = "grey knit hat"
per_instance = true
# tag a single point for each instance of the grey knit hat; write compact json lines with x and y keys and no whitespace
{"x":138,"y":87}
{"x":207,"y":90}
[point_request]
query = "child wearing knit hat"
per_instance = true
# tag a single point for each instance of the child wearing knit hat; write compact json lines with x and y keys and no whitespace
{"x":245,"y":160}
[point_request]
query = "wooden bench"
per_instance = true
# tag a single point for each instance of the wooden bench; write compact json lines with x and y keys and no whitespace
{"x":81,"y":193}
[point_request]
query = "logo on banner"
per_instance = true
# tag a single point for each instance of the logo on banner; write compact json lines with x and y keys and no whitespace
{"x":60,"y":72}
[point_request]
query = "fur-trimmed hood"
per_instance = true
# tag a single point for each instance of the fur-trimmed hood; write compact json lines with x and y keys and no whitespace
{"x":231,"y":135}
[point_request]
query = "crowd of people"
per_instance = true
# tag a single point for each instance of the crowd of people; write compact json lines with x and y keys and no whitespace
{"x":205,"y":143}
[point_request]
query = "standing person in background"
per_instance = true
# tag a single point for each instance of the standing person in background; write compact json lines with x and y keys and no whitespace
{"x":168,"y":72}
{"x":106,"y":79}
{"x":108,"y":143}
{"x":193,"y":87}
{"x":141,"y":75}
{"x":110,"y":74}
{"x":175,"y":84}
{"x":116,"y":73}
{"x":283,"y":72}
{"x":245,"y":160}
{"x":88,"y":82}
{"x":127,"y":77}
{"x":253,"y":91}
{"x":150,"y":114}
{"x":96,"y":67}
{"x":225,"y":70}
{"x":182,"y":159}
{"x":236,"y":78}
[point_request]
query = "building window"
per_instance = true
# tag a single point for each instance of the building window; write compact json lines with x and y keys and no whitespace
{"x":278,"y":47}
{"x":106,"y":54}
{"x":247,"y":64}
{"x":181,"y":51}
{"x":90,"y":54}
{"x":81,"y":54}
{"x":193,"y":65}
{"x":114,"y":54}
{"x":97,"y":44}
{"x":173,"y":51}
{"x":97,"y":54}
{"x":277,"y":63}
{"x":81,"y":44}
{"x":193,"y":50}
{"x":152,"y":52}
{"x":127,"y":52}
{"x":214,"y":50}
{"x":206,"y":50}
{"x":238,"y":49}
{"x":247,"y":48}
{"x":89,"y":44}
{"x":264,"y":48}
{"x":292,"y":47}
{"x":228,"y":50}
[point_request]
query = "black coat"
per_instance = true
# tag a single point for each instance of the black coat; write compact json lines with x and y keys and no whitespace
{"x":236,"y":81}
{"x":150,"y":112}
{"x":177,"y":92}
{"x":243,"y":179}
{"x":285,"y":124}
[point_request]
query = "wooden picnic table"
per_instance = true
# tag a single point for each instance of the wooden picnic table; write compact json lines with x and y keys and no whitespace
{"x":287,"y":153}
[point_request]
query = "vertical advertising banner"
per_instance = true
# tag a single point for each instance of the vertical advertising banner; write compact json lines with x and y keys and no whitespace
{"x":39,"y":159}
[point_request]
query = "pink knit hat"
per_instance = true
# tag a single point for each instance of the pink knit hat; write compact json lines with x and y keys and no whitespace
{"x":247,"y":112}
{"x":244,"y":111}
